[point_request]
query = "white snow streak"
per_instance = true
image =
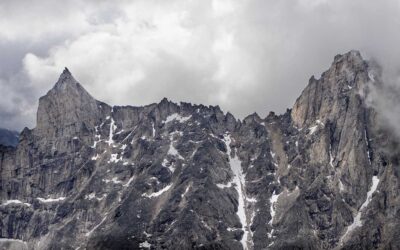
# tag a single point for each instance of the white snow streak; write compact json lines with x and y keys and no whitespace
{"x":9,"y":202}
{"x":95,"y":227}
{"x":145,"y":244}
{"x":97,"y":137}
{"x":330,"y":156}
{"x":367,"y":145}
{"x":129,"y":181}
{"x":313,"y":129}
{"x":222,"y":186}
{"x":113,"y":180}
{"x":357,"y":220}
{"x":49,"y":200}
{"x":186,"y":191}
{"x":112,"y":129}
{"x":240,"y":186}
{"x":272,"y":201}
{"x":156,"y":194}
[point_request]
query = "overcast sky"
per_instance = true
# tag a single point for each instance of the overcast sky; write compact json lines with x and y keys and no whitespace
{"x":245,"y":56}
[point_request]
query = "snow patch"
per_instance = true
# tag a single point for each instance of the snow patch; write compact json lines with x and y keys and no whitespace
{"x":145,"y":244}
{"x":49,"y":200}
{"x":17,"y":202}
{"x":172,"y":150}
{"x":114,"y":158}
{"x":90,"y":196}
{"x":320,"y":123}
{"x":177,"y":117}
{"x":113,"y":180}
{"x":222,"y":186}
{"x":156,"y":194}
{"x":272,"y":201}
{"x":272,"y":154}
{"x":166,"y":164}
{"x":251,"y":199}
{"x":313,"y":129}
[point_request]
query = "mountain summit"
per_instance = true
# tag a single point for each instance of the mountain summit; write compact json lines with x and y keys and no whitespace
{"x":67,"y":109}
{"x":183,"y":176}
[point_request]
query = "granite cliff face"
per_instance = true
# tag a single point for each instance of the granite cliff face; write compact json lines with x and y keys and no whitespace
{"x":181,"y":176}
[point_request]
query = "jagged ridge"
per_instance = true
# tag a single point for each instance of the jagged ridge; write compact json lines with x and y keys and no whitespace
{"x":182,"y":176}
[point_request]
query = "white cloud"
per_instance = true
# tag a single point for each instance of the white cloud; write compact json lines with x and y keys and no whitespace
{"x":245,"y":56}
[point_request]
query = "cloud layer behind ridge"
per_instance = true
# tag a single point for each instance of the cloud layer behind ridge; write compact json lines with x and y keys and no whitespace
{"x":245,"y":56}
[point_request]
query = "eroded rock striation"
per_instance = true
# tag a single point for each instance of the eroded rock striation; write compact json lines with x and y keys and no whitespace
{"x":183,"y":176}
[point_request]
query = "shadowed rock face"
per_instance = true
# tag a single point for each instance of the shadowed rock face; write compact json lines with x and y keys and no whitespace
{"x":183,"y":176}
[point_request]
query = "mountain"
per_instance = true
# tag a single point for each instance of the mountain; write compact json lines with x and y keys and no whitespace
{"x":8,"y":137}
{"x":324,"y":175}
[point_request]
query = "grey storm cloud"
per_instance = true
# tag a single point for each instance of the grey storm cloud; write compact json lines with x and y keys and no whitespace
{"x":245,"y":56}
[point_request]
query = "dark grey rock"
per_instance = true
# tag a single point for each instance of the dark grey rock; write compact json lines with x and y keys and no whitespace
{"x":183,"y":176}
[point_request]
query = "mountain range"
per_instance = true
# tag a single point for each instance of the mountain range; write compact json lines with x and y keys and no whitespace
{"x":323,"y":175}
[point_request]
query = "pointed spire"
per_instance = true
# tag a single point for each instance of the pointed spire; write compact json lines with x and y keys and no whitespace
{"x":65,"y":77}
{"x":65,"y":74}
{"x":66,"y":71}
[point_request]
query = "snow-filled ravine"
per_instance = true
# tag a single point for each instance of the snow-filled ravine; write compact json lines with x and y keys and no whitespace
{"x":357,"y":222}
{"x":240,"y":186}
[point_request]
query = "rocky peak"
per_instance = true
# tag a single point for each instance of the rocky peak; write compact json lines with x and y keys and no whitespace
{"x":325,"y":97}
{"x":65,"y":77}
{"x":183,"y":176}
{"x":66,"y":108}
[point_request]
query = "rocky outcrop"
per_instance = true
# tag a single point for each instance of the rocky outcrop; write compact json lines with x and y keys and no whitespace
{"x":181,"y":176}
